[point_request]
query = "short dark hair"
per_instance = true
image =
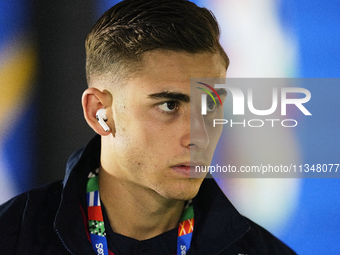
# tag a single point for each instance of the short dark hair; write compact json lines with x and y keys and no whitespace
{"x":133,"y":27}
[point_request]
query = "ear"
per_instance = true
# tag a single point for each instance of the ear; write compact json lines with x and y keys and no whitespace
{"x":93,"y":99}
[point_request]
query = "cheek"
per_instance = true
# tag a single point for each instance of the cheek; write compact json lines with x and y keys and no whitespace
{"x":159,"y":137}
{"x":144,"y":135}
{"x":214,"y":134}
{"x":155,"y":130}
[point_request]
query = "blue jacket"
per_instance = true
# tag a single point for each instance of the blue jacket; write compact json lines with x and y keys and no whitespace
{"x":49,"y":220}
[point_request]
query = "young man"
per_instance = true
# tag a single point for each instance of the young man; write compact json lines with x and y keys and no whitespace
{"x":130,"y":190}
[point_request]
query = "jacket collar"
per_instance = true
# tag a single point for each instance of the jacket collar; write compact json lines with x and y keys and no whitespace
{"x":69,"y":223}
{"x":217,"y":222}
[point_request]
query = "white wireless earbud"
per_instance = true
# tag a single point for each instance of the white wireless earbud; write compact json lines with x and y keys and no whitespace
{"x":101,"y":117}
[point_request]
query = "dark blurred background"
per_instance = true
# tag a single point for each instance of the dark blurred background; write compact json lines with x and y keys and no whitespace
{"x":42,"y":78}
{"x":60,"y":28}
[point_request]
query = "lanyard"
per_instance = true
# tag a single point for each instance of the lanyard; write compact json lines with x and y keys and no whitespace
{"x":97,"y":227}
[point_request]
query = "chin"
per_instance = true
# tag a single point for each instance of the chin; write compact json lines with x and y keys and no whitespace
{"x":184,"y":190}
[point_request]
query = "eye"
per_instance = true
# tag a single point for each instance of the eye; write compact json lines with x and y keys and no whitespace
{"x":211,"y":106}
{"x":169,"y":107}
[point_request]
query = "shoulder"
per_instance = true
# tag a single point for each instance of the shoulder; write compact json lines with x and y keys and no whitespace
{"x":227,"y":230}
{"x":260,"y":241}
{"x":27,"y":212}
{"x":43,"y":198}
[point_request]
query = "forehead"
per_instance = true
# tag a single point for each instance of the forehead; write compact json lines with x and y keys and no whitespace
{"x":175,"y":68}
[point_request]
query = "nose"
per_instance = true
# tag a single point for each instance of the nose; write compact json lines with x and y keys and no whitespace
{"x":199,"y":137}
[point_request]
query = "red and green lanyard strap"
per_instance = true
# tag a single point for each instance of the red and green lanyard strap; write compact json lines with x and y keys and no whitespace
{"x":97,"y":228}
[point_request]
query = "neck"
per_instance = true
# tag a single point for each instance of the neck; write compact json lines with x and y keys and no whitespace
{"x":135,"y":211}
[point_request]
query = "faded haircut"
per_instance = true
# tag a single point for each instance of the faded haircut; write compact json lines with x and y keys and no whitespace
{"x":117,"y":41}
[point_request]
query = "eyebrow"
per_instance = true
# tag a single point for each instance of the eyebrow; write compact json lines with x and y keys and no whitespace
{"x":171,"y":95}
{"x":180,"y":96}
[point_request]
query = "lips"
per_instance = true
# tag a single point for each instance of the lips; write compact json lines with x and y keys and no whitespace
{"x":187,"y":168}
